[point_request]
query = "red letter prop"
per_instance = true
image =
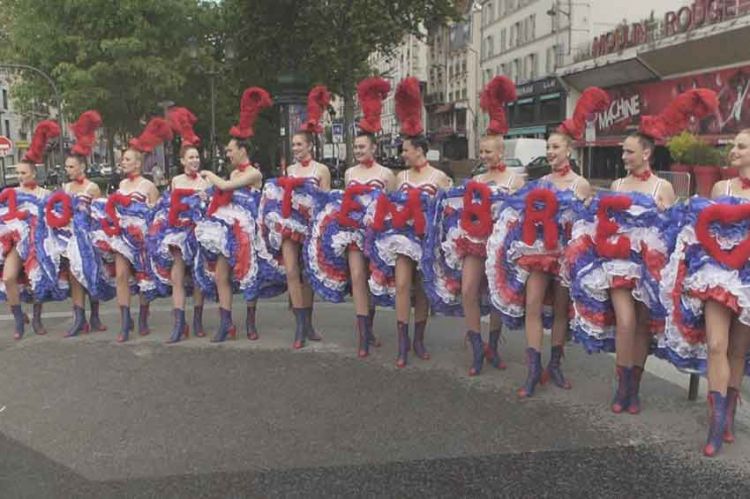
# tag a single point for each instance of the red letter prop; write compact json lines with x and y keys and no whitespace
{"x":607,"y":228}
{"x":737,"y":257}
{"x":545,"y":215}
{"x":288,"y":184}
{"x":53,"y":219}
{"x":476,"y":218}
{"x":412,"y":211}
{"x":111,"y":225}
{"x":349,"y":204}
{"x":176,"y":206}
{"x":9,"y":196}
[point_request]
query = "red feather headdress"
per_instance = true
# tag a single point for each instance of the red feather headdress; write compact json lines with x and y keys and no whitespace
{"x":43,"y":132}
{"x":498,"y":92}
{"x":696,"y":103}
{"x":84,"y":130}
{"x":182,"y":121}
{"x":157,"y":131}
{"x":317,"y":102}
{"x":254,"y":100}
{"x":371,"y":92}
{"x":593,"y":100}
{"x":409,"y":107}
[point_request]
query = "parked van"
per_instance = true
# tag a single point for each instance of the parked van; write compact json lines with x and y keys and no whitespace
{"x":525,"y":150}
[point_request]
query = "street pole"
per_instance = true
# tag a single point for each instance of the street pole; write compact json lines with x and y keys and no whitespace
{"x":212,"y":140}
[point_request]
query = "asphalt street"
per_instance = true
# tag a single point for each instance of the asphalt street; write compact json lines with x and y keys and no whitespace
{"x":87,"y":417}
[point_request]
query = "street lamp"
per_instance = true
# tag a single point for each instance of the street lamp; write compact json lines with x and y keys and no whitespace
{"x":553,"y":12}
{"x":165,"y":105}
{"x":212,"y":71}
{"x":55,"y":90}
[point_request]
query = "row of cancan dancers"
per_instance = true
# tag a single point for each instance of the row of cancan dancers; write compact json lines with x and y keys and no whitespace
{"x":670,"y":258}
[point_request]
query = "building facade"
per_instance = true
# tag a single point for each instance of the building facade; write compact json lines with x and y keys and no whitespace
{"x":408,"y":59}
{"x":530,"y":40}
{"x":452,"y":88}
{"x":645,"y":62}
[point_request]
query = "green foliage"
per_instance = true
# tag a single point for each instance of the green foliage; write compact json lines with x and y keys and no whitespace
{"x":688,"y":149}
{"x":118,"y":57}
{"x":123,"y":57}
{"x":679,"y":146}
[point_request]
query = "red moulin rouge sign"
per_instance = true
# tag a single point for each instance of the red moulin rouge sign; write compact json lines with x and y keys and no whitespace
{"x":690,"y":17}
{"x":630,"y":102}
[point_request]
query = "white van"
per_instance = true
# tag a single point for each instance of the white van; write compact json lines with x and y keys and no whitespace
{"x":524,"y":150}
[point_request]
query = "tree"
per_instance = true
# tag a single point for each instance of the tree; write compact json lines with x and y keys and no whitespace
{"x":329,"y":40}
{"x":120,"y":58}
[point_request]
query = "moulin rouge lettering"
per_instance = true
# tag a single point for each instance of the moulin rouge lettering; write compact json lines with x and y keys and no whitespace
{"x":690,"y":17}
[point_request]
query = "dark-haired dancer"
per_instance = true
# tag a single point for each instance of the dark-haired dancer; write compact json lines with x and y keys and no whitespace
{"x":229,"y":232}
{"x":82,"y":192}
{"x":396,"y":247}
{"x":171,"y":240}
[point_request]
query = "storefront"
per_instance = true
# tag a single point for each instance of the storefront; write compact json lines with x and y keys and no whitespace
{"x":703,"y":45}
{"x":631,"y":102}
{"x":539,"y":109}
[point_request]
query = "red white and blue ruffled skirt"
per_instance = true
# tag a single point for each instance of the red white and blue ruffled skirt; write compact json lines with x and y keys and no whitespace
{"x":387,"y":237}
{"x":338,"y":225}
{"x":229,"y":229}
{"x":631,"y":255}
{"x":710,"y":260}
{"x":518,"y":246}
{"x":453,"y":234}
{"x":285,"y":214}
{"x":26,"y":233}
{"x":172,"y":230}
{"x":126,"y":235}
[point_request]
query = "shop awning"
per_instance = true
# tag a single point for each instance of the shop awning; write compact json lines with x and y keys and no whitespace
{"x":444,"y":108}
{"x":608,"y":75}
{"x":714,"y":46}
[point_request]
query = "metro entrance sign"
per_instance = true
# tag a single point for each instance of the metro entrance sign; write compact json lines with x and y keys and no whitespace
{"x":6,"y":146}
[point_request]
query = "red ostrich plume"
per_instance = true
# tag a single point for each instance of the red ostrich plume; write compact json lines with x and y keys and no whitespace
{"x":696,"y":103}
{"x":182,"y":121}
{"x":371,"y":92}
{"x":498,"y":92}
{"x":593,"y":100}
{"x":157,"y":131}
{"x":254,"y":100}
{"x":317,"y":102}
{"x":43,"y":132}
{"x":84,"y":130}
{"x":409,"y":107}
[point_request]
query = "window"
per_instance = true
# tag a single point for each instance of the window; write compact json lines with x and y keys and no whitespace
{"x":490,"y":47}
{"x":516,"y":69}
{"x":7,"y":129}
{"x":533,"y":69}
{"x":502,"y":41}
{"x":512,"y":37}
{"x":550,"y":67}
{"x":5,"y":99}
{"x":532,"y":28}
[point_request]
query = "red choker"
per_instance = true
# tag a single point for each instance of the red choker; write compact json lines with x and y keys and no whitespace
{"x":500,"y":167}
{"x":562,"y":171}
{"x":80,"y":180}
{"x":133,"y":176}
{"x":745,"y":182}
{"x":367,"y":163}
{"x":305,"y":162}
{"x":192,"y":175}
{"x":644,"y":176}
{"x":31,"y":184}
{"x":243,"y":167}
